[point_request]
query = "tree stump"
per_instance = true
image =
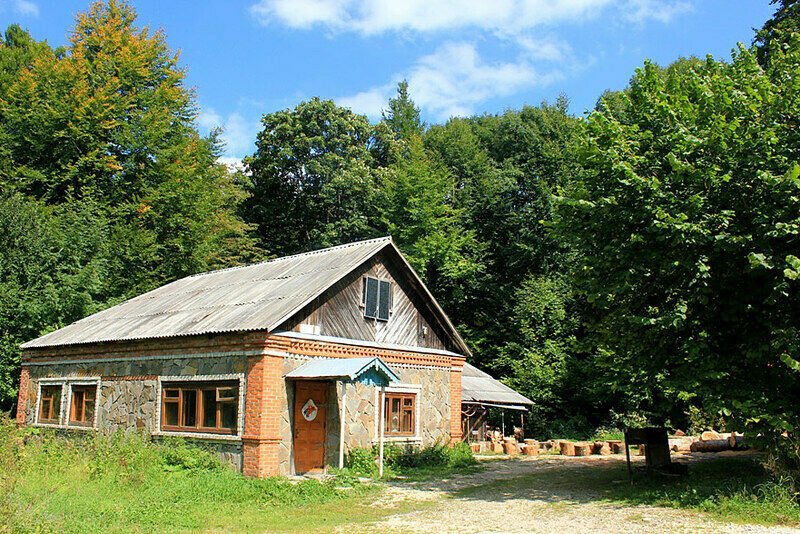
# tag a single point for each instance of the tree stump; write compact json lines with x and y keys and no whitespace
{"x":602,"y":448}
{"x":531,"y":447}
{"x":583,"y":449}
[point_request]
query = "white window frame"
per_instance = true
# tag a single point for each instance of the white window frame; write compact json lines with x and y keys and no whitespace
{"x":202,"y":378}
{"x":66,"y":384}
{"x":413,"y":389}
{"x":68,"y":408}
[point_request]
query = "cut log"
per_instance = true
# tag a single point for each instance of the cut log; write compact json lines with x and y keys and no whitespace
{"x":497,"y":447}
{"x":475,"y":448}
{"x":736,"y":441}
{"x":567,"y":448}
{"x":709,"y":435}
{"x":531,"y":449}
{"x":711,"y":445}
{"x":583,"y":449}
{"x":642,"y":450}
{"x":679,"y":433}
{"x":683,"y":444}
{"x":604,"y":450}
{"x":617,"y":446}
{"x":510,"y":447}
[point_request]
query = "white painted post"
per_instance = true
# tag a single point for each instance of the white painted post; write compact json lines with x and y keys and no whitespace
{"x":342,"y":424}
{"x":381,"y":429}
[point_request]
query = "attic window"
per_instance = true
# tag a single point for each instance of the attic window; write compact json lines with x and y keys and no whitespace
{"x":376,"y":297}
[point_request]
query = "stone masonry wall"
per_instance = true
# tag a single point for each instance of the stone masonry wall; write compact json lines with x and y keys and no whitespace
{"x":129,"y":374}
{"x":361,"y":410}
{"x":127,"y":399}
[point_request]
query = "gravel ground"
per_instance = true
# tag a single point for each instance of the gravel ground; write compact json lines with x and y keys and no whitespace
{"x":492,"y":500}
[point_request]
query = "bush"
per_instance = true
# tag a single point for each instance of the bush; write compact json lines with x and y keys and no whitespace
{"x":396,"y":458}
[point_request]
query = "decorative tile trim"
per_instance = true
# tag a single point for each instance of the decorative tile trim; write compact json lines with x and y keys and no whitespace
{"x":397,"y":365}
{"x":173,"y":356}
{"x":202,"y":378}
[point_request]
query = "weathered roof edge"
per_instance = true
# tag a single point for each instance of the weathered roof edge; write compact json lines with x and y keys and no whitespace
{"x":387,"y":242}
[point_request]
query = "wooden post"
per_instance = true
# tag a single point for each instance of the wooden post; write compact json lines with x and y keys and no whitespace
{"x":381,"y":431}
{"x":342,"y":424}
{"x":628,"y":458}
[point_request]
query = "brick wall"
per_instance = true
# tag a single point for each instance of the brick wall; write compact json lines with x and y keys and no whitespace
{"x":262,"y":438}
{"x":455,"y":400}
{"x":22,"y":398}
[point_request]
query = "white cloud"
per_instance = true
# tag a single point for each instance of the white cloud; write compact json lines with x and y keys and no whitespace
{"x":452,"y":80}
{"x":25,"y":8}
{"x":641,"y":10}
{"x":371,"y":17}
{"x":238,"y":133}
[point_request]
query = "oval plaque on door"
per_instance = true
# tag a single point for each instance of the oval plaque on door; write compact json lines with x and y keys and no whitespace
{"x":309,"y":410}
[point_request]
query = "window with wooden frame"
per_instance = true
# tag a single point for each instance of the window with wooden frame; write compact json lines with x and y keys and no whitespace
{"x":50,"y":404}
{"x":399,"y":410}
{"x":82,"y":405}
{"x":206,"y":407}
{"x":376,"y":298}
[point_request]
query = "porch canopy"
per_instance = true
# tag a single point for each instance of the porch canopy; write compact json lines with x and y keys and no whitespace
{"x":370,"y":371}
{"x":479,"y":391}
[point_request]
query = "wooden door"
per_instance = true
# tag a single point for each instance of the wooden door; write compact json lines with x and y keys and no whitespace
{"x":309,"y":425}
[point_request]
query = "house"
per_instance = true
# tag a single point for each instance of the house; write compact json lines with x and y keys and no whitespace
{"x":262,"y":362}
{"x":479,"y":393}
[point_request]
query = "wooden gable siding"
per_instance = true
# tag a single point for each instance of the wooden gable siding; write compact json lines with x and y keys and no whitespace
{"x":338,"y":312}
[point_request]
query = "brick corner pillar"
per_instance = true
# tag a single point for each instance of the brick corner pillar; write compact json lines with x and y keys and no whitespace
{"x":455,"y":400}
{"x":261,"y":439}
{"x":22,"y":397}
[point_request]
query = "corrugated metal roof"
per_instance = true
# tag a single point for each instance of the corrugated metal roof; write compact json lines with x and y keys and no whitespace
{"x":252,"y":297}
{"x":349,"y":369}
{"x":478,"y":387}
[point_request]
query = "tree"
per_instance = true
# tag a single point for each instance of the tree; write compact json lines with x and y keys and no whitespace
{"x":313,"y":178}
{"x":685,"y":225}
{"x":421,"y":217}
{"x":777,"y":31}
{"x":403,"y":116}
{"x":101,"y":138}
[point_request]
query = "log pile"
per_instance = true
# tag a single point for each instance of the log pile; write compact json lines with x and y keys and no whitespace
{"x":709,"y":441}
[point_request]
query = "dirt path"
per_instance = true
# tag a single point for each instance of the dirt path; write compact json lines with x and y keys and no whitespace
{"x":509,"y":496}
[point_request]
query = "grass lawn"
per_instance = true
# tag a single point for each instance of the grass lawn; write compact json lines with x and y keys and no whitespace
{"x":126,"y":484}
{"x":734,"y":489}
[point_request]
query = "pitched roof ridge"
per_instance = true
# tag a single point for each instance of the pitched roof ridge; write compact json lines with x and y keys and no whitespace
{"x":387,"y":238}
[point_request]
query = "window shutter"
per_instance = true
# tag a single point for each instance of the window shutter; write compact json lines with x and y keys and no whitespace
{"x":385,"y":300}
{"x":371,"y":298}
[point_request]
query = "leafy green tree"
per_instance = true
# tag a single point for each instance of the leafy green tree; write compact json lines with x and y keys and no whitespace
{"x":421,"y":217}
{"x":314,"y":180}
{"x":101,"y":138}
{"x":685,"y":225}
{"x":51,"y":268}
{"x":403,"y":116}
{"x":777,"y":31}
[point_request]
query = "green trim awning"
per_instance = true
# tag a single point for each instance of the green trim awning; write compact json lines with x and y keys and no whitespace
{"x":373,"y":371}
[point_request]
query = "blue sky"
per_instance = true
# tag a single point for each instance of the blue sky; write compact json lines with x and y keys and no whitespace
{"x":461,"y":57}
